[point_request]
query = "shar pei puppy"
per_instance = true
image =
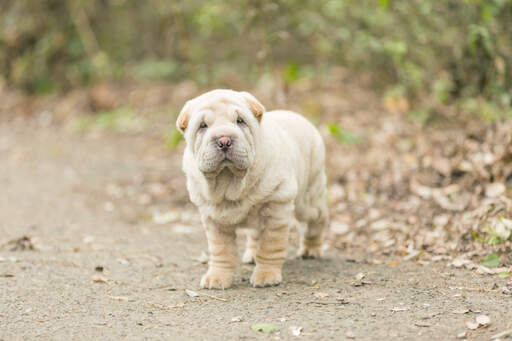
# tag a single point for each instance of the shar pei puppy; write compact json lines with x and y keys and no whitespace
{"x":256,"y":170}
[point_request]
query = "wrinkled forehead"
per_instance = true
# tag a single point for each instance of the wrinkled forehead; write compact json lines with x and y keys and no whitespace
{"x":218,"y":103}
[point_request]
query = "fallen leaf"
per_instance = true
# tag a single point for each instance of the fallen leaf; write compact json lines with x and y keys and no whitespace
{"x":165,"y":218}
{"x":360,"y":276}
{"x":203,"y":258}
{"x":504,"y":274}
{"x":99,"y":279}
{"x":120,"y":298}
{"x":339,"y":228}
{"x":191,"y":293}
{"x":321,"y":294}
{"x":494,"y":190}
{"x":461,"y":311}
{"x":296,"y":330}
{"x":504,"y":334}
{"x":263,"y":327}
{"x":350,"y":334}
{"x":459,"y":262}
{"x":88,"y":239}
{"x":412,"y":254}
{"x":462,"y":335}
{"x":21,"y":244}
{"x":492,"y":260}
{"x":483,"y":320}
{"x":472,"y":325}
{"x":502,"y":227}
{"x":237,"y":319}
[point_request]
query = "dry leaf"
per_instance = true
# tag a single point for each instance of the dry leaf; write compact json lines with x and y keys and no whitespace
{"x":472,"y":325}
{"x":461,"y":311}
{"x":483,"y":320}
{"x":165,"y":218}
{"x":321,"y":294}
{"x":99,"y":279}
{"x":462,"y":335}
{"x":350,"y":334}
{"x":296,"y":330}
{"x":203,"y":258}
{"x":494,"y":190}
{"x":339,"y":227}
{"x":191,"y":293}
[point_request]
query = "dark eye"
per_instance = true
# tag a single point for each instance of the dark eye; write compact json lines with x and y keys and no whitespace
{"x":240,"y":121}
{"x":203,"y":125}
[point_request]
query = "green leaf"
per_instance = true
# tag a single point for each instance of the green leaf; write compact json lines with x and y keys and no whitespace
{"x":477,"y":237}
{"x":263,"y":327}
{"x":384,"y":3}
{"x":292,"y":72}
{"x":342,"y":135}
{"x":504,"y":274}
{"x":173,"y":139}
{"x":492,"y":260}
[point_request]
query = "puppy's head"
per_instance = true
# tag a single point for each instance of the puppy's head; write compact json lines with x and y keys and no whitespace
{"x":221,"y":128}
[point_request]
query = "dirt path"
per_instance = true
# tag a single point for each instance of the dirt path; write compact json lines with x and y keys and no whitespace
{"x":86,"y":202}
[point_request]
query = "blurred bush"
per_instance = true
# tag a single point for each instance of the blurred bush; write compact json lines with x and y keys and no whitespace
{"x":443,"y":49}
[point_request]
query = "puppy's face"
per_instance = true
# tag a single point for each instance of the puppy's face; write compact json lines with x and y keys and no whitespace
{"x":221,"y":129}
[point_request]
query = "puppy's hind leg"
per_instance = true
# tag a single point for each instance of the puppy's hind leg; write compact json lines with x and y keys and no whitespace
{"x":251,"y":246}
{"x":312,"y":236}
{"x":311,"y":239}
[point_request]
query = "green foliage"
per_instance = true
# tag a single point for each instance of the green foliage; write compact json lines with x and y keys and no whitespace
{"x":491,"y":238}
{"x":441,"y":50}
{"x":263,"y":327}
{"x":122,"y":119}
{"x":492,"y":260}
{"x":343,"y":136}
{"x":173,"y":138}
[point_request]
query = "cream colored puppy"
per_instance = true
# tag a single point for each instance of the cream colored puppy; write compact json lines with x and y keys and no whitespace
{"x":247,"y":168}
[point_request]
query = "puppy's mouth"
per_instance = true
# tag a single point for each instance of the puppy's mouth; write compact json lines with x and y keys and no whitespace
{"x":214,"y":163}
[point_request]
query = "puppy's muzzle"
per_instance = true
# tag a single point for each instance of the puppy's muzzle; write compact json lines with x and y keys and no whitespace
{"x":224,"y":143}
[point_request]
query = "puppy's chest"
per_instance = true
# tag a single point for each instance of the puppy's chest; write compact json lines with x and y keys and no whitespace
{"x":241,"y":214}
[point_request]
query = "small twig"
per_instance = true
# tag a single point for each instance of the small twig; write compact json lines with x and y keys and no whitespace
{"x":506,"y":333}
{"x":168,"y":287}
{"x":214,"y":297}
{"x":326,"y":302}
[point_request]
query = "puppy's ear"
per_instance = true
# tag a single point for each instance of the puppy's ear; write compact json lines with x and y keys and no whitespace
{"x":256,"y":107}
{"x":182,"y":121}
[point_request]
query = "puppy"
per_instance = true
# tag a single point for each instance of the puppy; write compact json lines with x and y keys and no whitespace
{"x":247,"y":168}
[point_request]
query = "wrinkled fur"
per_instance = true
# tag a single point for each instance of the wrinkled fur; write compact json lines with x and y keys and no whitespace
{"x":273,"y":178}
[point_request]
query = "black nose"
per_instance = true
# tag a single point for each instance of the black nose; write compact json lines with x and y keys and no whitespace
{"x":224,"y":143}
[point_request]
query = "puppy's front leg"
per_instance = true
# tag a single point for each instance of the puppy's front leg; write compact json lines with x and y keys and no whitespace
{"x":223,"y":257}
{"x":272,"y":244}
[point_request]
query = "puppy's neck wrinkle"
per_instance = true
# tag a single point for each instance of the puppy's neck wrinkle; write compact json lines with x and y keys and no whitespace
{"x":226,"y":185}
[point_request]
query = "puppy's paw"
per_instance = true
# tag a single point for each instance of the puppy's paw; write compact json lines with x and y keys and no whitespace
{"x":215,"y":279}
{"x":265,"y":277}
{"x":309,"y":252}
{"x":248,"y":257}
